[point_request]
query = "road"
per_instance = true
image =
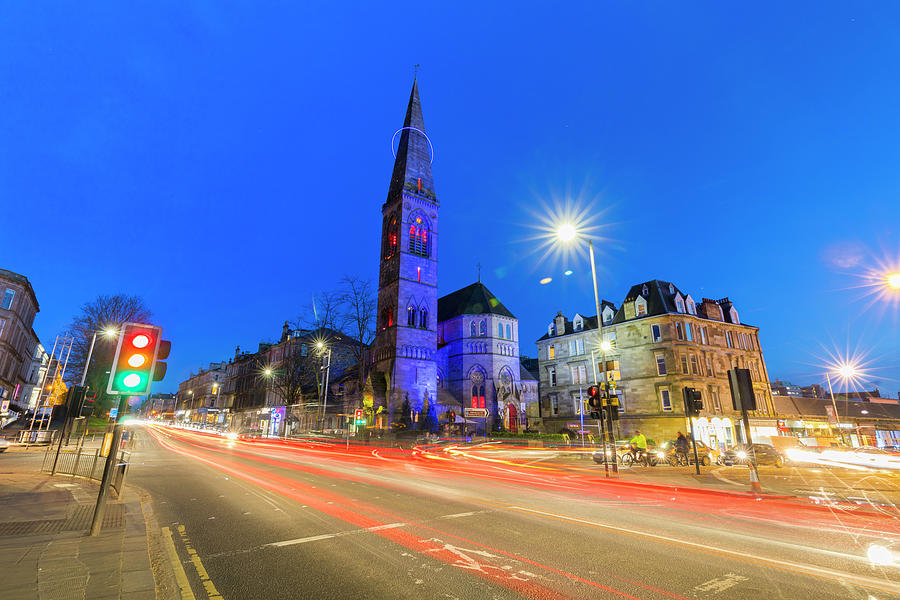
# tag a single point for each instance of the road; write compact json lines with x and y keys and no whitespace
{"x":272,"y":519}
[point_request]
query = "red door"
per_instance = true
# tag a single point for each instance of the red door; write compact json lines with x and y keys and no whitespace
{"x":513,"y":417}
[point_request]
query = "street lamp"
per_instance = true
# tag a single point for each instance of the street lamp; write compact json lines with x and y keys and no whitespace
{"x":323,"y":347}
{"x":566,"y":232}
{"x":107,"y":331}
{"x":893,"y":281}
{"x":846,"y":371}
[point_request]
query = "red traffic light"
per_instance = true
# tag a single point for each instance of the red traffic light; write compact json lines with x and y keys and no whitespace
{"x":359,"y":413}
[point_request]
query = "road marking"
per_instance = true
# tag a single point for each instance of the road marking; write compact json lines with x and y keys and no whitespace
{"x":867,"y":582}
{"x":202,"y":573}
{"x":180,"y":576}
{"x":328,"y":536}
{"x":720,"y":584}
{"x":465,"y":514}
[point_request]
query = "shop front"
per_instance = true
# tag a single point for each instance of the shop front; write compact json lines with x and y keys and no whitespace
{"x":716,"y":432}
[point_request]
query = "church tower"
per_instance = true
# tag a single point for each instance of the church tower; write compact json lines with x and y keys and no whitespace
{"x":405,"y":343}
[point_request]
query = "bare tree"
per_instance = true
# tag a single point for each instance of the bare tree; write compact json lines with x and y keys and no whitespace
{"x":326,"y":313}
{"x":104,"y":312}
{"x":357,"y":319}
{"x":293,"y":373}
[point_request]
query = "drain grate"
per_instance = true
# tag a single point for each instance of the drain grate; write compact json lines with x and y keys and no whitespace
{"x":113,"y":517}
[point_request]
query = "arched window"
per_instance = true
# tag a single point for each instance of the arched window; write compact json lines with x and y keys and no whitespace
{"x":410,"y":316}
{"x":423,"y":318}
{"x":418,"y":237}
{"x":477,"y":378}
{"x":500,"y":330}
{"x":482,"y":329}
{"x":386,"y":319}
{"x":473,"y":330}
{"x":391,"y":239}
{"x":508,"y":334}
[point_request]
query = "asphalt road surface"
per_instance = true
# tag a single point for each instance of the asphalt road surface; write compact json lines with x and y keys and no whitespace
{"x":271,"y":519}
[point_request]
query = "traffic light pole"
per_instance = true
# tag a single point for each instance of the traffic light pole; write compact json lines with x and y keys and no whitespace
{"x":111,"y":460}
{"x":751,"y":456}
{"x":600,"y":420}
{"x":602,"y":357}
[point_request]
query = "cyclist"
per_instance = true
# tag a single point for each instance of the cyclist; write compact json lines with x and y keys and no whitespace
{"x":681,"y":448}
{"x":639,"y":447}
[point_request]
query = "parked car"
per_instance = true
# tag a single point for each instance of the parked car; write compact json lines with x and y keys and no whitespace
{"x":765,"y":455}
{"x":704,"y":453}
{"x":4,"y":444}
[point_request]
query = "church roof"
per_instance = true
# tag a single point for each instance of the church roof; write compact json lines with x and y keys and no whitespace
{"x":473,"y":299}
{"x":412,"y":166}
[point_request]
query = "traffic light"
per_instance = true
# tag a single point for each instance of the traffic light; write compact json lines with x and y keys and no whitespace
{"x":594,"y":398}
{"x":359,"y":417}
{"x":452,"y":417}
{"x":133,"y":368}
{"x":89,"y":400}
{"x":693,"y":402}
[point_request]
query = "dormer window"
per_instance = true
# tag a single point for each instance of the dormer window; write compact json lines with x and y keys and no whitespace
{"x":608,"y":315}
{"x":640,"y":307}
{"x":644,"y":290}
{"x":671,"y":289}
{"x":578,"y":323}
{"x":734,"y":315}
{"x":679,"y":303}
{"x":691,"y":307}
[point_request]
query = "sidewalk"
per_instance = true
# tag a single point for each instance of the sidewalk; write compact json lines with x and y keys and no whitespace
{"x":45,"y":550}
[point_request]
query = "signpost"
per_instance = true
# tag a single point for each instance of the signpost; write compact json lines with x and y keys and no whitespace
{"x":476,"y":413}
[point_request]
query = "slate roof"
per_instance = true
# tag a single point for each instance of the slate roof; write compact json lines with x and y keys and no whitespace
{"x":413,"y":161}
{"x":817,"y":407}
{"x":473,"y":299}
{"x":659,"y":300}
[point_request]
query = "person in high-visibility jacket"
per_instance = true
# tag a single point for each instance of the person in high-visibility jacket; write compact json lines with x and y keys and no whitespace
{"x":639,"y":447}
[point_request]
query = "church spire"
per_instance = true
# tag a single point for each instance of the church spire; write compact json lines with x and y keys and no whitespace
{"x":412,"y":166}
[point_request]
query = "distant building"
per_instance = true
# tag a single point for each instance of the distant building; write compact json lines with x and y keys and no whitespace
{"x":661,"y":341}
{"x":18,"y":307}
{"x":199,"y":397}
{"x":160,"y":406}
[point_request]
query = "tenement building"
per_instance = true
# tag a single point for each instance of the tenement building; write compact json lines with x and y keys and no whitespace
{"x":18,"y":307}
{"x":659,"y":341}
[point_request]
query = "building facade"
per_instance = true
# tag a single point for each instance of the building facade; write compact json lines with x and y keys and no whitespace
{"x":660,"y":341}
{"x":200,"y":398}
{"x":18,"y":307}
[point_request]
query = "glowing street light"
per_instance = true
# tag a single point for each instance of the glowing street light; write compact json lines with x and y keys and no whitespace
{"x":107,"y":331}
{"x":566,"y":232}
{"x":893,"y":281}
{"x":847,"y":372}
{"x":268,"y":372}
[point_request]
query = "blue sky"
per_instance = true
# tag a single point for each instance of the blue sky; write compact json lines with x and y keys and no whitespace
{"x":226,"y":162}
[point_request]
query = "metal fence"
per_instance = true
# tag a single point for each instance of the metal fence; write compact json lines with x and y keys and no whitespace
{"x":80,"y":462}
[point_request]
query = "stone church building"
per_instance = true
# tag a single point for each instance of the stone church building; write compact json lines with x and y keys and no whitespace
{"x":433,"y":356}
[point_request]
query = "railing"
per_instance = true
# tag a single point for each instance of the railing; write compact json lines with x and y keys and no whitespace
{"x":79,"y":462}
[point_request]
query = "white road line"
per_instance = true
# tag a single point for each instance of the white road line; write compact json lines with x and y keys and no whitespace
{"x":869,"y":582}
{"x":327,"y":536}
{"x":465,"y":514}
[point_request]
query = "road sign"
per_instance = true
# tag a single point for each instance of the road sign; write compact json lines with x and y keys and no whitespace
{"x":113,"y":412}
{"x":476,"y":413}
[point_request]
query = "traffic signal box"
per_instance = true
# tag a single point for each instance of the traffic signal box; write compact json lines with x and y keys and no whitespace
{"x":693,"y":402}
{"x":359,"y":417}
{"x":742,"y":396}
{"x":136,"y":364}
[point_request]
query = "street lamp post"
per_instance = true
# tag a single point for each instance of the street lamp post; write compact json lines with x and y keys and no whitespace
{"x":327,"y":367}
{"x":845,"y":371}
{"x":567,"y":233}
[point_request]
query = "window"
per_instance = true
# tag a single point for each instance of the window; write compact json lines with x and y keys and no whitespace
{"x":709,"y":368}
{"x":473,"y":330}
{"x":551,"y":352}
{"x":689,"y":332}
{"x":418,"y":237}
{"x":578,"y":324}
{"x":660,"y":364}
{"x":478,"y":396}
{"x":611,"y":338}
{"x":2,"y":326}
{"x":679,"y":330}
{"x":552,"y":376}
{"x":576,"y":347}
{"x":656,"y":333}
{"x":391,"y":239}
{"x":423,"y":318}
{"x":716,"y":404}
{"x":695,"y":368}
{"x":608,"y":315}
{"x":703,"y":338}
{"x":8,"y":298}
{"x":410,"y":316}
{"x":679,"y":304}
{"x":387,"y":320}
{"x":684,"y":367}
{"x":579,"y":374}
{"x":554,"y":403}
{"x":499,"y":330}
{"x":691,"y":307}
{"x":508,"y":332}
{"x":666,"y":400}
{"x":640,"y":307}
{"x":482,"y":328}
{"x":729,"y":341}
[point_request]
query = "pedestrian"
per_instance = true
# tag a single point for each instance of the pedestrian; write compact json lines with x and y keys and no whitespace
{"x":681,"y":448}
